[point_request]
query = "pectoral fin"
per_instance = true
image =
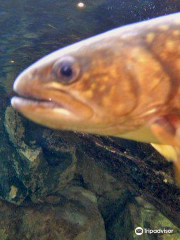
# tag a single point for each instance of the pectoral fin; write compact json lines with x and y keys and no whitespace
{"x":167,"y":132}
{"x":169,"y":152}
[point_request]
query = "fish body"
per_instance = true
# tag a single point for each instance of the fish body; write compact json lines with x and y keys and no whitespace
{"x":125,"y":82}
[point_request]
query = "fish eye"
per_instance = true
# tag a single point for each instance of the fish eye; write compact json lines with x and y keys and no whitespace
{"x":66,"y":70}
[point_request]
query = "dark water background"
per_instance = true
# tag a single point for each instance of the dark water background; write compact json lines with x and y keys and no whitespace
{"x":30,"y":29}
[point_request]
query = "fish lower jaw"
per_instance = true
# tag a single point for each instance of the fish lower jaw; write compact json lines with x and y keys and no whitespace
{"x":45,"y":113}
{"x":41,"y":110}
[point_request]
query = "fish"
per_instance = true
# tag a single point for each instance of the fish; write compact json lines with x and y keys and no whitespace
{"x":122,"y":83}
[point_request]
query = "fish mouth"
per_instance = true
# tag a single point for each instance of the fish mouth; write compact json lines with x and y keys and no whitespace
{"x":19,"y":101}
{"x":53,"y":100}
{"x":60,"y":112}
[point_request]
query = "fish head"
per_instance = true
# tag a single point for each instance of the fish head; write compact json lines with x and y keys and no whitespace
{"x":84,"y":87}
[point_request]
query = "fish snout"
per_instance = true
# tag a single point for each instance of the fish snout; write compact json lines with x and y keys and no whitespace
{"x":25,"y":83}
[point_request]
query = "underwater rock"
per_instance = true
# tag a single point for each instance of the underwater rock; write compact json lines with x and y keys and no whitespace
{"x":74,"y":217}
{"x":50,"y":163}
{"x":139,"y":213}
{"x":145,"y":215}
{"x":122,"y":211}
{"x":139,"y":168}
{"x":11,"y":187}
{"x":40,"y":171}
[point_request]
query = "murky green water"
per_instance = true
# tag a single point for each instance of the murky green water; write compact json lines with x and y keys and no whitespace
{"x":34,"y":170}
{"x":31,"y":29}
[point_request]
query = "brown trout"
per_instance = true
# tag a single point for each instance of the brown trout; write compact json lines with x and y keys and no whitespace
{"x":123,"y":83}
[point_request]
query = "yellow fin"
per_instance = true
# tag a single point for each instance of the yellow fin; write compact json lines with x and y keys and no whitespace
{"x":169,"y":152}
{"x":172,"y":154}
{"x":143,"y":134}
